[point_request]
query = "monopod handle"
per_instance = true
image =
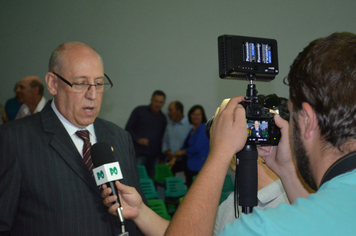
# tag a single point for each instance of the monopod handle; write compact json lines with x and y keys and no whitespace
{"x":247,"y":177}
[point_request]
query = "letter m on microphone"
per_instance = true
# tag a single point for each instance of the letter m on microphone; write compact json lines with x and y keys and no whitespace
{"x":107,"y":173}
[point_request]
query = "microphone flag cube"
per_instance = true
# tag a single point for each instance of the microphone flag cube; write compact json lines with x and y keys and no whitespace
{"x":107,"y":173}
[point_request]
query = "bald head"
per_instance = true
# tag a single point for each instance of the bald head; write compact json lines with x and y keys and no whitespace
{"x":30,"y":79}
{"x":65,"y":52}
{"x":175,"y":111}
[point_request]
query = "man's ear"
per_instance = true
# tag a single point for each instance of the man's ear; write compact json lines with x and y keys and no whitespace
{"x":52,"y":83}
{"x":310,"y":121}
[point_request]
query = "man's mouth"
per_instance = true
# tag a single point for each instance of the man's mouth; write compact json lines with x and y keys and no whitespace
{"x":88,"y":109}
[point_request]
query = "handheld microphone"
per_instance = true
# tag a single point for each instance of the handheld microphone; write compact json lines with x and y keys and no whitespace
{"x":107,"y":171}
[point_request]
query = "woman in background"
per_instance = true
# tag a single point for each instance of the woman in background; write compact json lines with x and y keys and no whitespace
{"x":196,"y":146}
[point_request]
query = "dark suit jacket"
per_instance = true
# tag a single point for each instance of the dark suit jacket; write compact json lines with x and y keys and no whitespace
{"x":254,"y":132}
{"x":45,"y":187}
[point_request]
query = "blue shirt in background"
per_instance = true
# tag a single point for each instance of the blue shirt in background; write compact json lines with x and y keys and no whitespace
{"x":175,"y":134}
{"x":12,"y":106}
{"x":197,"y":149}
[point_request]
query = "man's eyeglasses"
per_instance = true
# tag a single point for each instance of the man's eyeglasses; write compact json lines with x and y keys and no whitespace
{"x":100,"y":85}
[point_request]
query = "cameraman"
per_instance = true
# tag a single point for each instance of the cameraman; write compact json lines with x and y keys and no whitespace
{"x":322,"y":81}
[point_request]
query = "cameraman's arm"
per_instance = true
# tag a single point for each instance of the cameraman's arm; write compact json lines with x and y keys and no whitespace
{"x":280,"y":160}
{"x":196,"y":214}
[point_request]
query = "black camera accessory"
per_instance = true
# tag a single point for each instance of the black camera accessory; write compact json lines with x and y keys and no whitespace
{"x":241,"y":56}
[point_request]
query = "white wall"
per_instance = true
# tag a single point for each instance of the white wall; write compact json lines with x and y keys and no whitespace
{"x":168,"y":45}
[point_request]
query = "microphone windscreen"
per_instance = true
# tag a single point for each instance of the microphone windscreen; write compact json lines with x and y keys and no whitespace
{"x":102,"y":153}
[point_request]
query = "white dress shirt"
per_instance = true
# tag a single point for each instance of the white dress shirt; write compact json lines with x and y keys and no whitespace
{"x":71,"y":129}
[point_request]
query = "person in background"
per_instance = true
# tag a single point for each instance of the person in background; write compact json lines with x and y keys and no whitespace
{"x":30,"y":93}
{"x":146,"y":126}
{"x":12,"y":106}
{"x":175,"y":134}
{"x":196,"y":146}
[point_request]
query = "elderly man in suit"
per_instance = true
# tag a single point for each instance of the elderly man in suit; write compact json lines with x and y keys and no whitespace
{"x":45,"y":186}
{"x":256,"y":131}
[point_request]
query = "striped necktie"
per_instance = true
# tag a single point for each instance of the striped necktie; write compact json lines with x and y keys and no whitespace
{"x":84,"y":135}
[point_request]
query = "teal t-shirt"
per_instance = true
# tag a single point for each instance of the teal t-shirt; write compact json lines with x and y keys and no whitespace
{"x":329,"y":211}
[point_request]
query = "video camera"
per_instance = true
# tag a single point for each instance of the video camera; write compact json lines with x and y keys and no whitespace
{"x":249,"y":58}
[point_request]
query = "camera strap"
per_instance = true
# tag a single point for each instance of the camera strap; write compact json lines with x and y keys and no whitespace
{"x":344,"y":164}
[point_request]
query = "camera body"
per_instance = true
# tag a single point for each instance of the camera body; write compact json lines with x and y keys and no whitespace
{"x":261,"y":128}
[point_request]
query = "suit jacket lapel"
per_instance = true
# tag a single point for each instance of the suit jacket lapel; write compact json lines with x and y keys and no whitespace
{"x":101,"y":133}
{"x":62,"y":143}
{"x":104,"y":134}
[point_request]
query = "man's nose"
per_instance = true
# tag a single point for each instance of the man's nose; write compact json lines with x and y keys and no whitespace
{"x":91,"y":93}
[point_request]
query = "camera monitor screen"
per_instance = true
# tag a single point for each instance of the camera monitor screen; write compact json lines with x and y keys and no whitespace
{"x":257,"y":52}
{"x":243,"y":58}
{"x":257,"y":130}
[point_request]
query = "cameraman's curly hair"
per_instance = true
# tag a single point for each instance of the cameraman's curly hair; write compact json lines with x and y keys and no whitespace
{"x":324,"y":75}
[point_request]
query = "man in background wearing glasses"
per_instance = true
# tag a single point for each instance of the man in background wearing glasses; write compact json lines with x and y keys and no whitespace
{"x":45,"y":186}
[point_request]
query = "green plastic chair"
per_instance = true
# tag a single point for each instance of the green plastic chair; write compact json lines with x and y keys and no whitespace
{"x":148,"y":188}
{"x":175,"y":190}
{"x":142,"y":172}
{"x":162,"y":172}
{"x":175,"y":187}
{"x":159,"y":207}
{"x":171,"y":208}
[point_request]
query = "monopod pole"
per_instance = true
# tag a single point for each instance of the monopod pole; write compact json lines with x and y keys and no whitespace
{"x":247,"y":177}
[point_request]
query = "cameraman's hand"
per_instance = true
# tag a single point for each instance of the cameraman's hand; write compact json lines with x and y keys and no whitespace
{"x":279,"y":158}
{"x":228,"y":133}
